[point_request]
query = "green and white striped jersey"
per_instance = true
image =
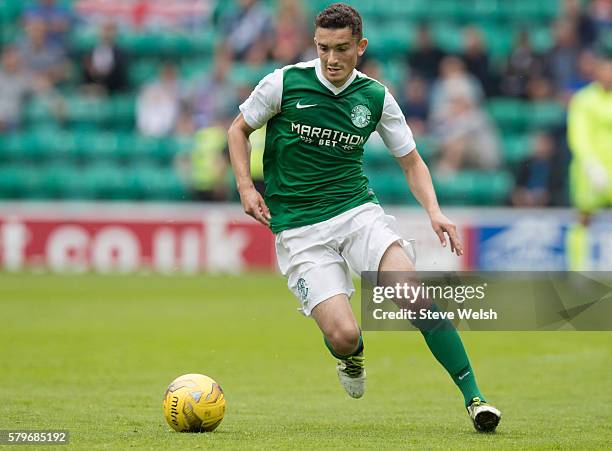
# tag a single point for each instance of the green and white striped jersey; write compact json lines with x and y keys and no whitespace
{"x":313,"y":158}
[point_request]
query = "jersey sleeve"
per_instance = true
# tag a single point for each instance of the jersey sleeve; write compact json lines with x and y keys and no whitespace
{"x":393,"y":128}
{"x":265,"y":100}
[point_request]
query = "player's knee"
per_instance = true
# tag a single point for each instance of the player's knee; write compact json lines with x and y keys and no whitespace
{"x":345,"y":339}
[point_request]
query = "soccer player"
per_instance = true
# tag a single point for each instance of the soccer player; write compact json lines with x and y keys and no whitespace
{"x":589,"y":126}
{"x":317,"y":202}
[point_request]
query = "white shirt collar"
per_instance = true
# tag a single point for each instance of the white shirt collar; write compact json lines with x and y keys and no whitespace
{"x":325,"y":82}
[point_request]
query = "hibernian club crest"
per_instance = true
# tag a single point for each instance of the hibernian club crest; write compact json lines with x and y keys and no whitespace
{"x":361,"y":116}
{"x":302,"y":289}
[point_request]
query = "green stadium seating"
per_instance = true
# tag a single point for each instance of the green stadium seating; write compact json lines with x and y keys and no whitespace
{"x":509,"y":113}
{"x":449,"y":10}
{"x":474,"y":188}
{"x":65,"y":181}
{"x":18,"y":181}
{"x":487,"y":11}
{"x":376,"y":157}
{"x":541,"y":38}
{"x":528,"y":11}
{"x":405,"y":9}
{"x":149,"y":182}
{"x":246,"y":74}
{"x":499,"y":39}
{"x":390,"y":185}
{"x":448,"y":36}
{"x":515,"y":148}
{"x":546,"y":115}
{"x":389,"y":40}
{"x":78,"y":109}
{"x":87,"y":148}
{"x":160,"y":44}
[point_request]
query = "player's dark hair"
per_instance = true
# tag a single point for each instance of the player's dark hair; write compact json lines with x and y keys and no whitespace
{"x":341,"y":15}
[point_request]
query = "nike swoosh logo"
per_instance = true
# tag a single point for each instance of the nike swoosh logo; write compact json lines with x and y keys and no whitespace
{"x":461,"y":377}
{"x":299,"y":106}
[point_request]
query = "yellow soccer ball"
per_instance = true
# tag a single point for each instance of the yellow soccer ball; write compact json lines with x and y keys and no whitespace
{"x":194,"y":403}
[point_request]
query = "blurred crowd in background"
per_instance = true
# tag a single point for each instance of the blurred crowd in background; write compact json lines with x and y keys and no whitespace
{"x":182,"y":67}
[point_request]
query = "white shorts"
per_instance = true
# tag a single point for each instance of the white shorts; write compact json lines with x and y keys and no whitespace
{"x":316,"y":258}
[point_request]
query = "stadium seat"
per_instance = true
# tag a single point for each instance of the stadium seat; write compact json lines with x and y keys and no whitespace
{"x":528,"y":11}
{"x":541,"y":37}
{"x":499,"y":39}
{"x":65,"y":181}
{"x":108,"y":181}
{"x":515,"y":148}
{"x":510,"y":114}
{"x":406,"y":9}
{"x":491,"y":188}
{"x":390,"y":185}
{"x":376,"y":156}
{"x":151,"y":44}
{"x":546,"y":115}
{"x":390,"y":39}
{"x":474,"y":188}
{"x":246,"y":74}
{"x":449,"y":10}
{"x":18,"y":181}
{"x":150,"y":182}
{"x":448,"y":36}
{"x":487,"y":11}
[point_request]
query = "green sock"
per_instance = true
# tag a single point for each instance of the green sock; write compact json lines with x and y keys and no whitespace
{"x":578,"y":247}
{"x":446,"y":346}
{"x":343,"y":357}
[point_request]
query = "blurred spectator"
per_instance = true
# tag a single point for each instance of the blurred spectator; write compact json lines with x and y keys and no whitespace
{"x":467,"y":138}
{"x":105,"y":66}
{"x":587,"y":62}
{"x":535,"y":174}
{"x":476,"y":60}
{"x":601,"y":14}
{"x":372,"y":68}
{"x":45,"y":61}
{"x":585,"y":27}
{"x":56,"y":18}
{"x":424,"y":60}
{"x":414,"y":104}
{"x":215,"y":97}
{"x":249,"y":32}
{"x":290,"y":32}
{"x":204,"y":165}
{"x":522,"y":63}
{"x":158,"y":103}
{"x":453,"y":82}
{"x":561,"y":61}
{"x":14,"y":85}
{"x":540,"y":89}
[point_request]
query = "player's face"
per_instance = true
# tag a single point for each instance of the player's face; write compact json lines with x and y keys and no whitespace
{"x":338,"y":50}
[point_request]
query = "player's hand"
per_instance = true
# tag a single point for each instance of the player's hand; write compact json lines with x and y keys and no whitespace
{"x":443,"y":226}
{"x":255,"y":206}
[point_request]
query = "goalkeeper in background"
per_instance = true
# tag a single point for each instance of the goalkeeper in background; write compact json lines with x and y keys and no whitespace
{"x":590,"y":141}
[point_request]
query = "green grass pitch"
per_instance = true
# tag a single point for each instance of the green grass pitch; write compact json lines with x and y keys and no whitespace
{"x":94,"y":354}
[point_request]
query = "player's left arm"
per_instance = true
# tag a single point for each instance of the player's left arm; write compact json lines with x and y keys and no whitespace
{"x":419,"y":180}
{"x":398,"y":138}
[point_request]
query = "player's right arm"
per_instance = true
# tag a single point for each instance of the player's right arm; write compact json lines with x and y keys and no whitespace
{"x":263,"y":103}
{"x":240,"y":156}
